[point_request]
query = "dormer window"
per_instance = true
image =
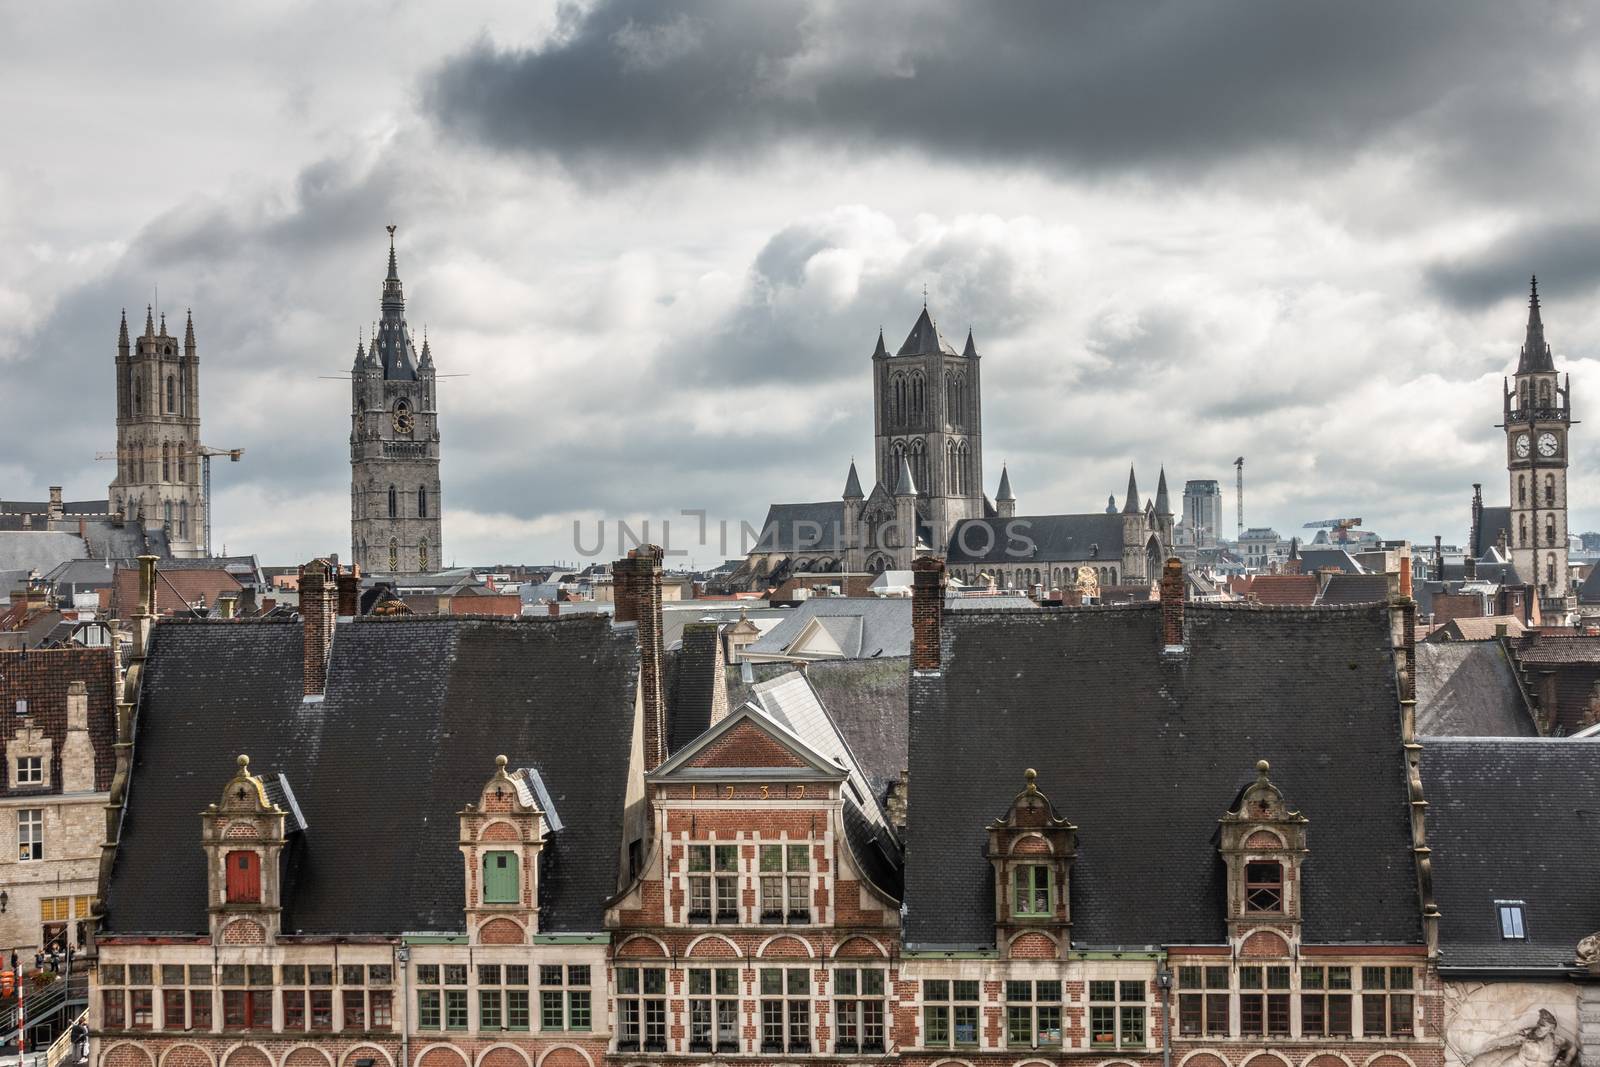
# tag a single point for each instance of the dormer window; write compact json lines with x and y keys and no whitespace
{"x":244,"y":877}
{"x":1034,"y":896}
{"x":1263,"y":886}
{"x":500,"y":882}
{"x":1511,"y":920}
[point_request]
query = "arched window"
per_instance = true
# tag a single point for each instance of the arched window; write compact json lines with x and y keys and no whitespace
{"x":1544,"y":394}
{"x":172,"y":395}
{"x":394,"y":503}
{"x":394,"y":554}
{"x":422,"y":501}
{"x":166,"y":515}
{"x":1522,"y":532}
{"x":1550,"y":569}
{"x":138,"y":395}
{"x":950,"y":468}
{"x":1522,"y":488}
{"x":422,"y":554}
{"x":183,"y":519}
{"x":1549,"y":490}
{"x":183,"y":467}
{"x":1550,"y":530}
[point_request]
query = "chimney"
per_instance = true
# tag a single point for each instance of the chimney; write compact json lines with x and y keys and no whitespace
{"x":228,"y":605}
{"x":316,"y":615}
{"x":144,"y":612}
{"x":636,"y":587}
{"x":349,"y":592}
{"x":77,"y":754}
{"x":1172,"y":590}
{"x":1405,"y":577}
{"x":927,"y":612}
{"x":1438,"y":558}
{"x":1477,"y":520}
{"x":58,"y":511}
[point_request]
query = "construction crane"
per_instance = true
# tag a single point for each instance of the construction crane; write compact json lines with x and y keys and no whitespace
{"x":204,"y":452}
{"x":1238,"y":492}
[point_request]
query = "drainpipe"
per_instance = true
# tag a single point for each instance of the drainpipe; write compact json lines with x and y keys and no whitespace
{"x":402,"y":958}
{"x":1164,"y":980}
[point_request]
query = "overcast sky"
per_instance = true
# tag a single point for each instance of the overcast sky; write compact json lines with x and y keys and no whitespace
{"x":659,"y":239}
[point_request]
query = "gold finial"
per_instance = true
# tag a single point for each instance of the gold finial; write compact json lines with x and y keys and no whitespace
{"x":501,"y":761}
{"x":244,"y":764}
{"x":1032,"y":777}
{"x":1262,"y":767}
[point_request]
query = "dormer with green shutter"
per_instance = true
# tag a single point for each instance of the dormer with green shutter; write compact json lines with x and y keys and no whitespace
{"x":501,"y":837}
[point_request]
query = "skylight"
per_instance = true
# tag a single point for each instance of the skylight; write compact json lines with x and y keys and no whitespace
{"x":1511,"y":924}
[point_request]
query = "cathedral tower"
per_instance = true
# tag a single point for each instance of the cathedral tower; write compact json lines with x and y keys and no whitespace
{"x":928,"y":409}
{"x":1538,"y":417}
{"x":158,"y":434}
{"x":395,"y":502}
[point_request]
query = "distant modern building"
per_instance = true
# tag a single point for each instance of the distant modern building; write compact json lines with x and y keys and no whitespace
{"x":1202,"y":510}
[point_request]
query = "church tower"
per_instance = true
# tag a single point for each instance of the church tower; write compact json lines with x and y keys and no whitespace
{"x":395,"y":502}
{"x":928,"y":410}
{"x":158,"y":434}
{"x":1538,"y":416}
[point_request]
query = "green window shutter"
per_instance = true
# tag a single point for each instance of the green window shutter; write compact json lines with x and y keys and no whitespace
{"x":500,"y":882}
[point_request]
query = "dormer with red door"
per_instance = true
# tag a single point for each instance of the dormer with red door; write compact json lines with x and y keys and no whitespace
{"x":1263,"y":844}
{"x":244,"y":836}
{"x":502,"y":834}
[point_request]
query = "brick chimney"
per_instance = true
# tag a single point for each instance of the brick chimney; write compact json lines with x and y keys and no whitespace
{"x":349,"y":592}
{"x":636,"y":587}
{"x":317,"y":615}
{"x":58,"y":510}
{"x":1172,"y":591}
{"x":927,"y":612}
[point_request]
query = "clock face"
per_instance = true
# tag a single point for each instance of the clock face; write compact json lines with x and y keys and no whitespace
{"x":1547,"y":444}
{"x":403,"y":420}
{"x":1523,"y":445}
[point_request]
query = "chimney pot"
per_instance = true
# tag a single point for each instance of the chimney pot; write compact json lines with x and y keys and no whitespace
{"x":317,"y":603}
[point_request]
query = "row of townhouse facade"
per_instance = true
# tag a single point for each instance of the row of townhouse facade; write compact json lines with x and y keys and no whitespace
{"x":1187,"y":837}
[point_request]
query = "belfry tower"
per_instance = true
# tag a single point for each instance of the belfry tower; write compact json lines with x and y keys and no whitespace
{"x":1538,"y":418}
{"x":158,"y":434}
{"x":395,"y":501}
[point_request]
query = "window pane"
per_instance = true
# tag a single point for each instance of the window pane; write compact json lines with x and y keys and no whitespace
{"x":964,"y":989}
{"x":935,"y":989}
{"x":799,"y":857}
{"x":699,"y":857}
{"x":1135,"y":990}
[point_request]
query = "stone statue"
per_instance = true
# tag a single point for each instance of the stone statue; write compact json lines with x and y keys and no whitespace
{"x":1538,"y":1045}
{"x":1588,"y":954}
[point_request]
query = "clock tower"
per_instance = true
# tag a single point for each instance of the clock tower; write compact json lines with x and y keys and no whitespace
{"x":395,"y":502}
{"x":1538,"y":417}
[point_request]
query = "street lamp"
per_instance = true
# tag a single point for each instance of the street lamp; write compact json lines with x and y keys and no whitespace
{"x":5,"y":898}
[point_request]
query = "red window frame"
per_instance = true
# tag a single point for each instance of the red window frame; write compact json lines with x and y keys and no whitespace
{"x":113,"y":1009}
{"x":355,"y":1009}
{"x":141,"y":1009}
{"x":173,"y":1016}
{"x":200,"y":1009}
{"x":380,"y":1003}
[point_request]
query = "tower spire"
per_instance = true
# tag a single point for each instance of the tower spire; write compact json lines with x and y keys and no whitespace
{"x":1535,"y":352}
{"x":1130,"y":506}
{"x":122,"y":334}
{"x":149,"y":320}
{"x":1163,"y":504}
{"x":188,"y":330}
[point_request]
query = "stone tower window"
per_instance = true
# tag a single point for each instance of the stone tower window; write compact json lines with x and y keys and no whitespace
{"x":394,"y":503}
{"x":138,"y":395}
{"x":394,"y":554}
{"x":172,"y":395}
{"x":422,"y":501}
{"x":1549,"y":490}
{"x":166,"y":514}
{"x":1263,"y":886}
{"x":422,"y":554}
{"x":183,"y":518}
{"x":1550,"y":530}
{"x":166,"y":462}
{"x":1522,"y":488}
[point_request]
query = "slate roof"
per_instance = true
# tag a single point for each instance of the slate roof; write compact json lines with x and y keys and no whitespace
{"x":40,"y":550}
{"x":1589,"y":591}
{"x":1313,"y":560}
{"x":1144,"y":754}
{"x":1513,"y":820}
{"x":803,"y":527}
{"x":1037,"y":539}
{"x":925,"y":338}
{"x":1493,"y":522}
{"x":870,"y":626}
{"x":1469,"y":689}
{"x":1355,"y":589}
{"x":866,"y":699}
{"x":416,"y":710}
{"x":1575,"y":649}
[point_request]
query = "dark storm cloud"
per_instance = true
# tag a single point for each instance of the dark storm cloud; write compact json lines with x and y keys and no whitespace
{"x":628,"y":84}
{"x":1565,"y":254}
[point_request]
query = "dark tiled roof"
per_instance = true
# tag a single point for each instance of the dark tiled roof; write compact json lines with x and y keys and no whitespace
{"x":1469,"y":689}
{"x":1313,"y":560}
{"x":803,"y":527}
{"x":1494,"y":522}
{"x":865,"y":627}
{"x":42,"y":678}
{"x":1145,"y":754}
{"x":1037,"y":539}
{"x":1537,"y":648}
{"x":691,"y":676}
{"x":925,"y":338}
{"x":1589,"y":591}
{"x":415,"y":713}
{"x":1355,"y":589}
{"x":1513,"y":820}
